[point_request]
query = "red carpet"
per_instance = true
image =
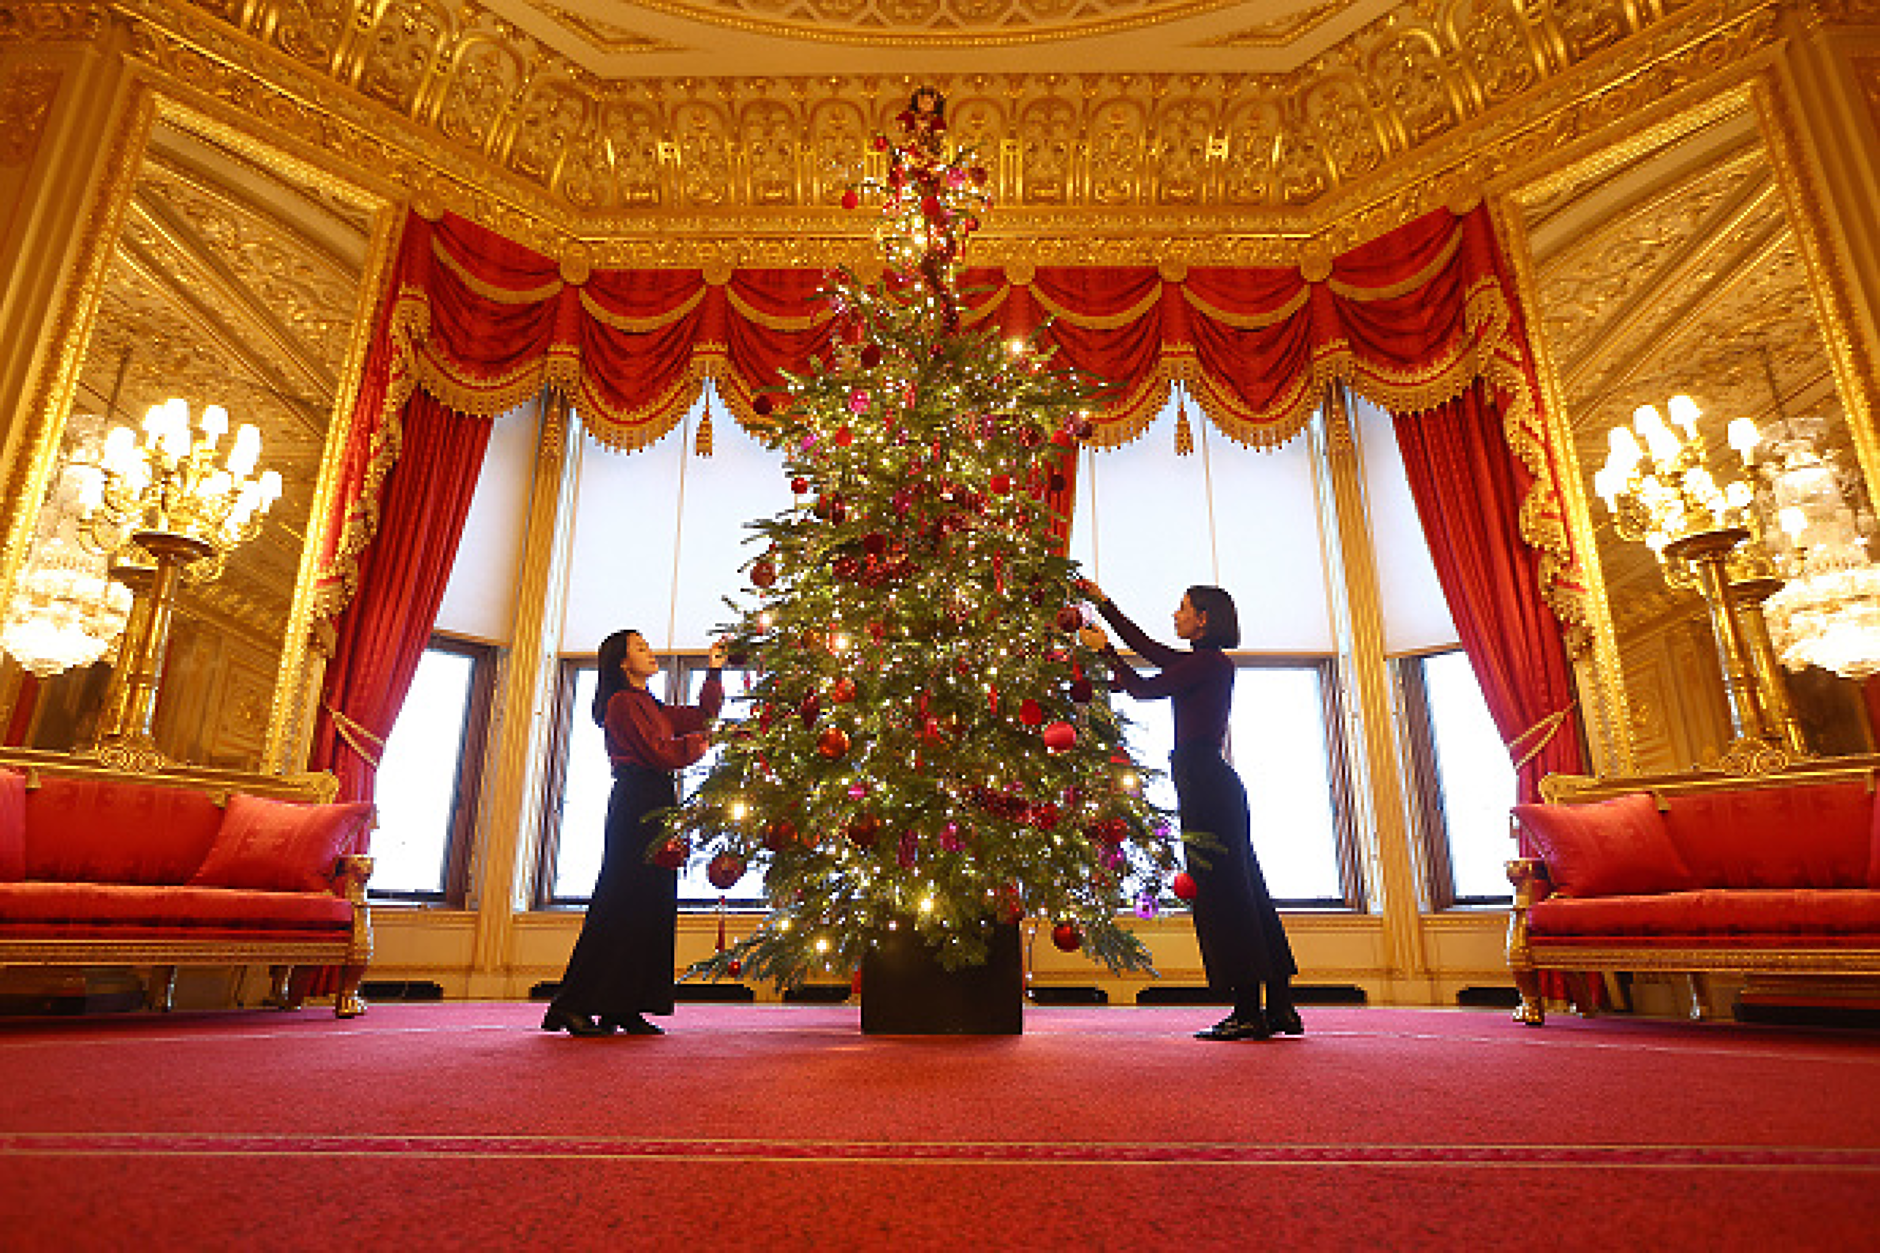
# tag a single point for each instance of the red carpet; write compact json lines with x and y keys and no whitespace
{"x":782,"y":1127}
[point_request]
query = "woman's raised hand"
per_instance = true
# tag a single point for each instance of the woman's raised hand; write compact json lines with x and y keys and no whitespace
{"x":716,"y":656}
{"x":1093,"y":637}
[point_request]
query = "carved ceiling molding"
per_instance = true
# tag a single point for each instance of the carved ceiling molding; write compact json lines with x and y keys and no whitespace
{"x":1281,"y":30}
{"x":1438,"y":97}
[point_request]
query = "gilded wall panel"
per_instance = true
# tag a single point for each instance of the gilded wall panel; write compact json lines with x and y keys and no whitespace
{"x":839,"y":138}
{"x":769,"y":141}
{"x":1341,"y":121}
{"x":1255,"y":131}
{"x":1187,"y":127}
{"x":554,"y":114}
{"x":404,"y":46}
{"x":702,"y":134}
{"x":1408,"y":72}
{"x":1049,"y":134}
{"x":1118,"y":132}
{"x":311,"y":31}
{"x":488,"y":77}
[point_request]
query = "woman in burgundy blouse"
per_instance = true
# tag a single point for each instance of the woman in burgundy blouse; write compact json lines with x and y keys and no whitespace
{"x":621,"y":967}
{"x":1243,"y":945}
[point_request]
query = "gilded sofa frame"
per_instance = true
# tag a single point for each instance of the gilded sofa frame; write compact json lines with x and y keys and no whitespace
{"x":161,"y":958}
{"x":1577,"y":961}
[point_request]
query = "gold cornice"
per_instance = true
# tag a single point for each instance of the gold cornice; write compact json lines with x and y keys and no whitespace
{"x":1344,"y":148}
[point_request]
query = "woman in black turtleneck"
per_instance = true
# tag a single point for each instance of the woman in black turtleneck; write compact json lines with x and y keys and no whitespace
{"x":1243,"y":945}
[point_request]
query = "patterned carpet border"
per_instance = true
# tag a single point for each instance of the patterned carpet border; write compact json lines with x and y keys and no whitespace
{"x":997,"y":1153}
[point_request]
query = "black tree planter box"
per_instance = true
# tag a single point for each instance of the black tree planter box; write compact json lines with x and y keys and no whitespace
{"x":906,"y":991}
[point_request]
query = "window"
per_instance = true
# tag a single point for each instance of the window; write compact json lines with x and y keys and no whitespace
{"x":1280,"y":745}
{"x":1463,"y":781}
{"x":429,"y":776}
{"x":576,"y":826}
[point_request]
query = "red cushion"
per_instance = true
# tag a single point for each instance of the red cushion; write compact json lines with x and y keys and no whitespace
{"x":1817,"y":835}
{"x":76,"y":908}
{"x":1829,"y":918}
{"x":12,"y":825}
{"x":1606,"y":848}
{"x":92,"y":830}
{"x":279,"y":845}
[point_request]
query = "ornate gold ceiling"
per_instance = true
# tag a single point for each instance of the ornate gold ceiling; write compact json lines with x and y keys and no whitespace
{"x":669,"y":120}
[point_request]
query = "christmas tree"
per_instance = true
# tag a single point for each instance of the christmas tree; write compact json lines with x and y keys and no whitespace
{"x":927,"y":748}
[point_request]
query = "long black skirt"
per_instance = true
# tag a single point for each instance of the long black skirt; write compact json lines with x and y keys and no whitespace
{"x":1243,"y":944}
{"x":622,"y":964}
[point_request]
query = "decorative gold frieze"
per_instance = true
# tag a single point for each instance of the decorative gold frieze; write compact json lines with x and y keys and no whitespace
{"x":26,"y":94}
{"x":947,"y":24}
{"x":1378,"y":117}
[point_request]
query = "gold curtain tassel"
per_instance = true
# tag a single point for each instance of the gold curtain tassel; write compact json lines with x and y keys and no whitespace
{"x":702,"y":442}
{"x":1184,"y":435}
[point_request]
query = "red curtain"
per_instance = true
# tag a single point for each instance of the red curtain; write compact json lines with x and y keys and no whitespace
{"x":1468,"y":494}
{"x":402,"y":575}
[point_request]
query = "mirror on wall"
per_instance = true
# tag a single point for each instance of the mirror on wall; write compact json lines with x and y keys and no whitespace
{"x":1675,"y":271}
{"x":234,"y":282}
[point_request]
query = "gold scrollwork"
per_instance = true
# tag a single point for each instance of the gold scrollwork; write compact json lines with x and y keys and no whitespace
{"x":26,"y":95}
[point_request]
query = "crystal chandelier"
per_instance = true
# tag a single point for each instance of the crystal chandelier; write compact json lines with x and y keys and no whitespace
{"x":66,"y":611}
{"x":1828,"y":612}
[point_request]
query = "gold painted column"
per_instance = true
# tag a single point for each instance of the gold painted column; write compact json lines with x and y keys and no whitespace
{"x":1820,"y":112}
{"x":518,"y":746}
{"x":1379,"y":808}
{"x":71,"y":128}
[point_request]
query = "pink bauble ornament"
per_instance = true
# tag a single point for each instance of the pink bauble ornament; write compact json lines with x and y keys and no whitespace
{"x":1147,"y":906}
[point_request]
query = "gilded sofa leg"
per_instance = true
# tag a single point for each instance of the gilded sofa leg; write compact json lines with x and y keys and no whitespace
{"x":1532,"y":1011}
{"x":278,"y":996}
{"x":160,"y":992}
{"x":1582,"y":991}
{"x":1527,"y":876}
{"x":348,"y":1003}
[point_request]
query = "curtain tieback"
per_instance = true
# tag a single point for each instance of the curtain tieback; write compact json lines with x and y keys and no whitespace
{"x":1545,"y":729}
{"x":352,"y":732}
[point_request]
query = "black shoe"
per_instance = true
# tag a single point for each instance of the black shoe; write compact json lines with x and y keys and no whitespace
{"x":1232,"y":1028}
{"x":1284,"y":1021}
{"x":635,"y":1025}
{"x":558,"y":1019}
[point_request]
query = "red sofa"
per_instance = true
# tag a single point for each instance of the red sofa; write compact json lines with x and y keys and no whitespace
{"x":181,"y":868}
{"x":1776,"y":874}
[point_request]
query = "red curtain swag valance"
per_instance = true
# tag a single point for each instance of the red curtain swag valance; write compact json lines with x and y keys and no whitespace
{"x":1423,"y":321}
{"x":1410,"y":321}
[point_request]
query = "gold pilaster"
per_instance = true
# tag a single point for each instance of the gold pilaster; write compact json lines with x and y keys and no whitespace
{"x":518,"y":744}
{"x":1380,"y":811}
{"x":60,"y":218}
{"x":1823,"y":140}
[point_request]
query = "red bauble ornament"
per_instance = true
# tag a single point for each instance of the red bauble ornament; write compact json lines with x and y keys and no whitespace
{"x":871,"y":356}
{"x":1183,"y":886}
{"x":1031,"y":713}
{"x":724,"y":870}
{"x":1002,"y":483}
{"x":762,"y":405}
{"x":671,"y":854}
{"x":843,"y":438}
{"x":881,"y":143}
{"x":1070,"y":618}
{"x":842,"y":691}
{"x":1059,"y":736}
{"x":1081,"y":691}
{"x":850,"y":200}
{"x":799,"y":485}
{"x":864,"y":831}
{"x":874,"y":543}
{"x":779,"y":834}
{"x":763,"y":574}
{"x":735,"y":968}
{"x":832,"y":743}
{"x":1063,"y":438}
{"x":1067,"y":937}
{"x":845,"y":567}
